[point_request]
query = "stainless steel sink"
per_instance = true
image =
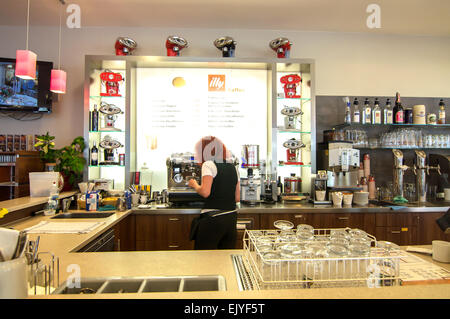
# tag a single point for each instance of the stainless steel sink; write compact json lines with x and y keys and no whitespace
{"x":82,"y":215}
{"x":145,"y":284}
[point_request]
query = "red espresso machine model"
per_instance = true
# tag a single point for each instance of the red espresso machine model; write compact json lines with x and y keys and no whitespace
{"x":175,"y":44}
{"x":292,"y":153}
{"x":111,"y":81}
{"x":282,"y":46}
{"x":125,"y":46}
{"x":290,"y":83}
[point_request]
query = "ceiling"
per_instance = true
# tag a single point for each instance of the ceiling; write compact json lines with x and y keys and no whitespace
{"x":409,"y":17}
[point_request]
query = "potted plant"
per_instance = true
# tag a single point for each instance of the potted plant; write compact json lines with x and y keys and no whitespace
{"x":47,"y":153}
{"x":70,"y":162}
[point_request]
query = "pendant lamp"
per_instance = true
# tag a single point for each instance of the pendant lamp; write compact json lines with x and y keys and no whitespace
{"x":58,"y":77}
{"x":25,"y":59}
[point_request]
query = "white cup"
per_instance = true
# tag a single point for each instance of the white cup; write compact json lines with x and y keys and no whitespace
{"x":320,"y":195}
{"x":441,"y":251}
{"x":447,"y":194}
{"x":135,"y":199}
{"x":143,"y":199}
{"x":13,"y":279}
{"x":337,"y":198}
{"x":348,"y":198}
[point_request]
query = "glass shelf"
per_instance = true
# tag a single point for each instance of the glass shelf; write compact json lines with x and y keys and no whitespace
{"x":283,"y":130}
{"x":391,"y":125}
{"x":296,"y":98}
{"x":107,"y":131}
{"x":401,"y":148}
{"x":100,"y":166}
{"x":108,"y":97}
{"x":289,"y":165}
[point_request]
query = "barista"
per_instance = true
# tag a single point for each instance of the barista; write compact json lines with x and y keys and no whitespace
{"x":215,"y":228}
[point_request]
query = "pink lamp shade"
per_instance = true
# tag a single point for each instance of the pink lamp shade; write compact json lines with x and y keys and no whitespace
{"x":26,"y":64}
{"x":58,"y":81}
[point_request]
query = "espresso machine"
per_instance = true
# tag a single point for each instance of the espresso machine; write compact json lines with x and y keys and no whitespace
{"x":341,"y":161}
{"x":293,"y":147}
{"x":175,"y":44}
{"x":125,"y":46}
{"x":181,"y":167}
{"x":110,"y":112}
{"x":227,"y":45}
{"x":110,"y":147}
{"x":291,"y":115}
{"x":250,"y":185}
{"x":282,"y":46}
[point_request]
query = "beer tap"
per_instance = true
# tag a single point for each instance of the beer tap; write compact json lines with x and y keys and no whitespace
{"x":421,"y":170}
{"x":399,"y":170}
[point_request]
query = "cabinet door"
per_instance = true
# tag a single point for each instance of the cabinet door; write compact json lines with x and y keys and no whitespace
{"x":343,"y":220}
{"x":427,"y":228}
{"x":394,"y":219}
{"x":163,"y":232}
{"x":125,"y":235}
{"x":267,"y":220}
{"x":401,"y":236}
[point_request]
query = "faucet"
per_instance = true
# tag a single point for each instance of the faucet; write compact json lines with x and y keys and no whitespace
{"x":66,"y":204}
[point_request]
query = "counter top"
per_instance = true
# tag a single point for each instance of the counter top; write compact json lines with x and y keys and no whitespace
{"x":190,"y":263}
{"x":27,"y":201}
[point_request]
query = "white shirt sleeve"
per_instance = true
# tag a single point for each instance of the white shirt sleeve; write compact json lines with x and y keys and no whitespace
{"x":209,"y":169}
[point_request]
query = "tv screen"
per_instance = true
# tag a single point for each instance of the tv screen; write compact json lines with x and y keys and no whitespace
{"x":25,"y":95}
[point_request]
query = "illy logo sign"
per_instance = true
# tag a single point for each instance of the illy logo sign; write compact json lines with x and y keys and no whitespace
{"x":216,"y":82}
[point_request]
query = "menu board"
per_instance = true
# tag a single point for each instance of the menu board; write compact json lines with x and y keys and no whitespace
{"x":175,"y":107}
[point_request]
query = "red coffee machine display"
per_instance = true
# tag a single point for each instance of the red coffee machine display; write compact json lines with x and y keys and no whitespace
{"x":290,"y":83}
{"x":111,"y":81}
{"x":282,"y":46}
{"x":292,"y":153}
{"x":175,"y":44}
{"x":125,"y":46}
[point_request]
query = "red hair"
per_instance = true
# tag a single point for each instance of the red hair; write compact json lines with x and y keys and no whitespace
{"x":210,"y":148}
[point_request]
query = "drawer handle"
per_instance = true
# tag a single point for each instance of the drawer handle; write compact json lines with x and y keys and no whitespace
{"x":173,"y":246}
{"x":343,"y":218}
{"x":174,"y":219}
{"x":298,"y":216}
{"x":395,"y":232}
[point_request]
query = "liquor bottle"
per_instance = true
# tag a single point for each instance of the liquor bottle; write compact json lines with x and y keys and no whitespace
{"x":94,"y":119}
{"x":279,"y":188}
{"x":356,"y":113}
{"x":348,"y":111}
{"x":399,"y":113}
{"x":367,"y":112}
{"x":376,"y":113}
{"x":387,"y":113}
{"x":441,"y":119}
{"x":94,"y":155}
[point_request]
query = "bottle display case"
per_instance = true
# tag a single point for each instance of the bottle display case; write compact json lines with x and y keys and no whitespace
{"x":262,"y":103}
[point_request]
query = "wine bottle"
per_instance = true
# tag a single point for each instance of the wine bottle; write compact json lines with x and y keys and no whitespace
{"x":441,"y":119}
{"x":94,"y":119}
{"x":356,"y":113}
{"x":399,"y":113}
{"x":94,"y":155}
{"x":279,"y":188}
{"x":387,"y":113}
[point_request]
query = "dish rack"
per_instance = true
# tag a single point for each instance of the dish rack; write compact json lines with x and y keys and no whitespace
{"x":378,"y":268}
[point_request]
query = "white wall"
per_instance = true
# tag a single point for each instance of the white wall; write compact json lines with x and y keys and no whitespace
{"x":346,"y":63}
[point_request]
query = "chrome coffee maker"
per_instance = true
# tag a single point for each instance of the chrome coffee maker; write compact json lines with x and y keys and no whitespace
{"x":250,"y":185}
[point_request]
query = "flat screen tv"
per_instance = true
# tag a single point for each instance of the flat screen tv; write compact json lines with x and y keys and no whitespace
{"x":25,"y":95}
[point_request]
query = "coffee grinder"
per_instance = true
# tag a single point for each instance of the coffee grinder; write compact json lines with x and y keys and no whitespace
{"x":269,"y":191}
{"x":250,"y":185}
{"x":319,"y":183}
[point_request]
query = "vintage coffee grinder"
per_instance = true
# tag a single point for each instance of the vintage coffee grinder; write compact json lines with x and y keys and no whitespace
{"x":110,"y":112}
{"x":290,"y":83}
{"x":111,"y":81}
{"x":282,"y":46}
{"x":227,"y":45}
{"x":250,"y":185}
{"x":110,"y":147}
{"x":293,"y":147}
{"x":175,"y":44}
{"x":125,"y":46}
{"x":291,"y":114}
